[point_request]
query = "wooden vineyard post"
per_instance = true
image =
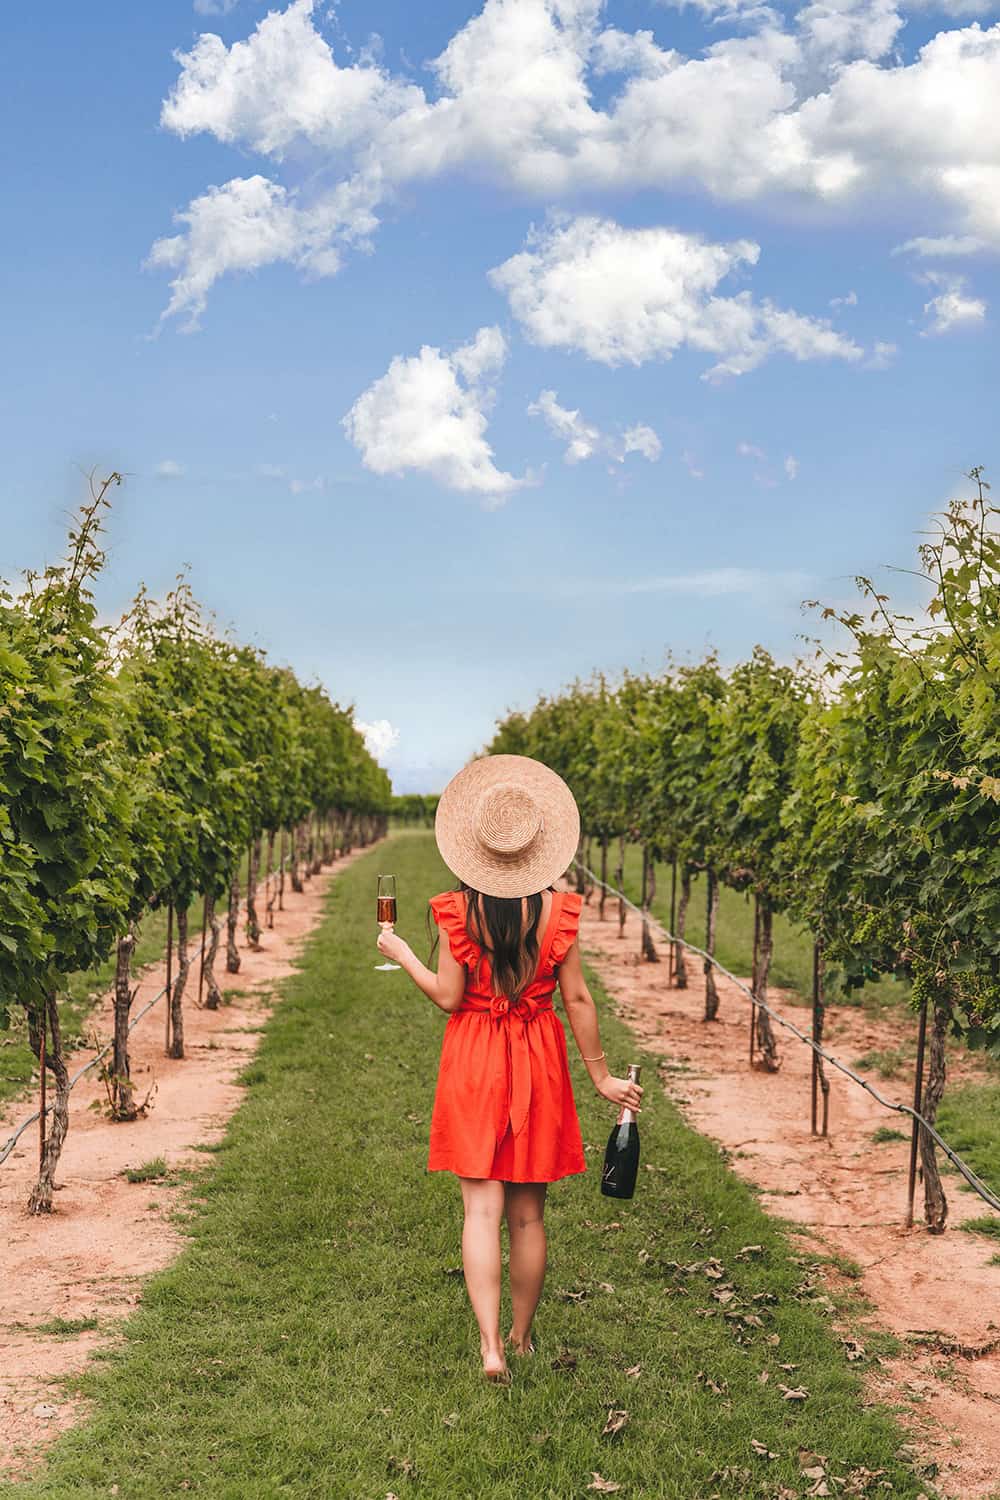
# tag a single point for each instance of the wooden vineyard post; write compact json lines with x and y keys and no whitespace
{"x":604,"y":875}
{"x":170,"y":954}
{"x":647,"y":948}
{"x":753,"y":981}
{"x":819,"y":1078}
{"x":672,"y":961}
{"x":281,"y":872}
{"x":620,"y":883}
{"x":201,"y":967}
{"x":918,"y":1089}
{"x":41,"y":1091}
{"x":711,"y":917}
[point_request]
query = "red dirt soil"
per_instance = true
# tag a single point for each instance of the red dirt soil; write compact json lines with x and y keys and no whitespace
{"x":847,"y":1192}
{"x":90,"y":1256}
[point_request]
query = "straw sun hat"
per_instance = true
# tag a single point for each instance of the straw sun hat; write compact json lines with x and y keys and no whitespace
{"x":507,"y":825}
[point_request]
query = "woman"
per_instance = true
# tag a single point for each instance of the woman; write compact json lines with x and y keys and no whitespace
{"x":504,"y":1118}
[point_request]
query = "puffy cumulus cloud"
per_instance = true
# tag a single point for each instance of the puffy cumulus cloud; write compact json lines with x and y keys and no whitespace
{"x":249,"y":223}
{"x":281,"y":86}
{"x":817,"y":104}
{"x":584,"y":440}
{"x":791,"y":466}
{"x":379,"y":735}
{"x":169,"y":468}
{"x":624,"y":296}
{"x":428,"y":413}
{"x":952,"y":307}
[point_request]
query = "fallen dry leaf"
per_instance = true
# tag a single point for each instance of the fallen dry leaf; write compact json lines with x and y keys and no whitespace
{"x":606,"y":1486}
{"x":761,"y":1449}
{"x":616,"y":1421}
{"x":798,"y":1393}
{"x":634,"y":1371}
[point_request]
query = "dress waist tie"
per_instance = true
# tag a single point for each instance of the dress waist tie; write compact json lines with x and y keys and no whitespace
{"x":513,"y":1088}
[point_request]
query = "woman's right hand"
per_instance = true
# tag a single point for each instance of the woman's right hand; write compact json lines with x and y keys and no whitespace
{"x":621,"y":1091}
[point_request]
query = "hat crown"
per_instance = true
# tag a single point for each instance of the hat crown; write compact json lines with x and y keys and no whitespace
{"x":507,"y":819}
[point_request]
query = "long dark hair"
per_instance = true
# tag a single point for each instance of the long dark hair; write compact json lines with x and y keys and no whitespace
{"x":514,"y":955}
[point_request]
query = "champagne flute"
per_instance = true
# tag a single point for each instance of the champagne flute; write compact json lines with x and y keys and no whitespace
{"x":386,"y":907}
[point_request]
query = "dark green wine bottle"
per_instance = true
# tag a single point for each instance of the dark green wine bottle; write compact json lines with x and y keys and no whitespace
{"x":621,"y":1159}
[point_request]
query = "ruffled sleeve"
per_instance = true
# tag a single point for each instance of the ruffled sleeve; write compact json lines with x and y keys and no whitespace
{"x":567,"y":926}
{"x":449,"y":913}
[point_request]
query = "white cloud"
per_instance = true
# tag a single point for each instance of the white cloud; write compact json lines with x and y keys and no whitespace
{"x":250,"y":223}
{"x":817,"y":106}
{"x":295,"y":485}
{"x":791,"y":466}
{"x":281,"y":86}
{"x":750,"y":450}
{"x":690,"y":462}
{"x":702,"y":583}
{"x":624,"y":296}
{"x":956,"y":8}
{"x":214,"y":7}
{"x":882,"y":355}
{"x":642,"y":439}
{"x":379,"y":736}
{"x":584,"y":440}
{"x":712,"y":582}
{"x":850,"y":300}
{"x":952,"y":307}
{"x":169,"y":468}
{"x":941,"y":246}
{"x":428,"y":413}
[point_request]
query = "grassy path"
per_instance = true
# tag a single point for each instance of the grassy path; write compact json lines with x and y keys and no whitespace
{"x":314,"y":1338}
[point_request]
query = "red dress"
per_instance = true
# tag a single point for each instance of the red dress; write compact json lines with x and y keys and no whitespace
{"x":504,"y":1106}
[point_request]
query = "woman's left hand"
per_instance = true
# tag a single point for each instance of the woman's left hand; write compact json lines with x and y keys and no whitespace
{"x":391,"y":944}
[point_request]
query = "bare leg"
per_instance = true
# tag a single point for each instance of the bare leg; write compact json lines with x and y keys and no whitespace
{"x":524,"y":1205}
{"x":483,"y":1199}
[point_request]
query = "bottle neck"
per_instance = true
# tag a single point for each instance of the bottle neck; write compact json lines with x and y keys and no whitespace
{"x":626,"y":1115}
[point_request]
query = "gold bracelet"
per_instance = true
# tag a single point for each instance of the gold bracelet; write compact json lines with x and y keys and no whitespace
{"x":593,"y":1059}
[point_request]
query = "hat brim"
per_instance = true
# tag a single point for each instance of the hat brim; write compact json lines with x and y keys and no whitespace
{"x":525,"y":874}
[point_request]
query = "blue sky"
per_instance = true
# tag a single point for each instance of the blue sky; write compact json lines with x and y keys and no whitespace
{"x":679,"y":372}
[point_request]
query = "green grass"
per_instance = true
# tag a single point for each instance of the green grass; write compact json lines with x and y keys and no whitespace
{"x":791,"y":962}
{"x":314,"y":1338}
{"x":149,"y":1171}
{"x":889,"y":1062}
{"x":886,"y":1133}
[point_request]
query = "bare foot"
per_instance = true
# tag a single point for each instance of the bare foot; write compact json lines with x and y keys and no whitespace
{"x":522,"y":1345}
{"x":494,"y":1363}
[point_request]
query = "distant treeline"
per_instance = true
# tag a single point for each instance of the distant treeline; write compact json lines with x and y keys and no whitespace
{"x":415,"y":809}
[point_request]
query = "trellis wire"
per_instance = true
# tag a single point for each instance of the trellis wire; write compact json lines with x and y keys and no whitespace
{"x":976,"y":1183}
{"x":8,"y":1148}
